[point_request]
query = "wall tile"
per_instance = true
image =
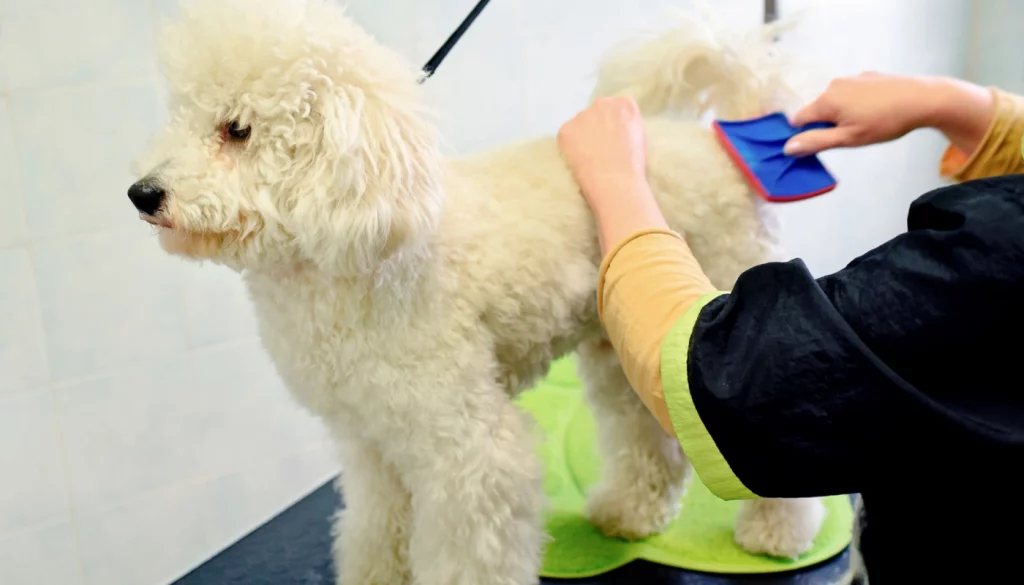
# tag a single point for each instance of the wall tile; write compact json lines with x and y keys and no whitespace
{"x":477,"y":75}
{"x":44,"y":555}
{"x":995,"y":55}
{"x":130,"y":433}
{"x":150,"y":540}
{"x":109,"y":301}
{"x":217,"y":306}
{"x":559,"y":75}
{"x":22,"y":347}
{"x":47,"y":43}
{"x":13,"y":224}
{"x":34,"y":490}
{"x":75,"y":147}
{"x":239,"y":384}
{"x":400,"y":33}
{"x":242,"y":501}
{"x":165,"y":8}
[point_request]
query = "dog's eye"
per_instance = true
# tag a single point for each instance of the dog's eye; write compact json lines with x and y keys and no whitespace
{"x":238,"y":132}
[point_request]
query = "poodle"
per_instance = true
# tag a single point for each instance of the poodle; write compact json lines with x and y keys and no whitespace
{"x":406,"y":298}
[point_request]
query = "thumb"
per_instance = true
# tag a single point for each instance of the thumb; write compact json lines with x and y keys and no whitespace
{"x":815,"y":141}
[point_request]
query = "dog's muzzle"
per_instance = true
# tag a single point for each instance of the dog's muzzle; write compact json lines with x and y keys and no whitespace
{"x":147,"y":196}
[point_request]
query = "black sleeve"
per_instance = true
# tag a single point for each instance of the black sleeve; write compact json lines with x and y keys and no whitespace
{"x":907,"y":359}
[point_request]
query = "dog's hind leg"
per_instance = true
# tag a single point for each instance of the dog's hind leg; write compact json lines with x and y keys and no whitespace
{"x":644,"y":469}
{"x":779,"y":528}
{"x":371,"y":535}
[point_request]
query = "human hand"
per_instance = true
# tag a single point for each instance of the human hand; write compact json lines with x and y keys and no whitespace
{"x":605,"y":146}
{"x":872,"y":107}
{"x":866,"y":109}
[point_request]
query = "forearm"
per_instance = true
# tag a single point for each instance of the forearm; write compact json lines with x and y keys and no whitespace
{"x":648,"y":280}
{"x":623,"y":207}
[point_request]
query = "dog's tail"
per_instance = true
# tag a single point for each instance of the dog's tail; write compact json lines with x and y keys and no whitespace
{"x":700,"y":67}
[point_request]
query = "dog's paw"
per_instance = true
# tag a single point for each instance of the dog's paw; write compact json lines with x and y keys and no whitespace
{"x":779,"y":528}
{"x":631,"y":513}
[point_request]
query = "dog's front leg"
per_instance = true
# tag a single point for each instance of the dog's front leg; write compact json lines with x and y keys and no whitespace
{"x":476,"y":487}
{"x":371,"y":535}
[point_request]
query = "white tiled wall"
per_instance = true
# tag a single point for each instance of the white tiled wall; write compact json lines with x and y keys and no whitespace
{"x":141,"y":426}
{"x":997,"y":50}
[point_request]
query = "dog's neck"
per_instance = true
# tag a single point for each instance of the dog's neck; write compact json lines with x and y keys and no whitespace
{"x":393,"y":287}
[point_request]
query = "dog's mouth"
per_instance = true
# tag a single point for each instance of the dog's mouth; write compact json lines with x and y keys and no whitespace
{"x":156,"y":221}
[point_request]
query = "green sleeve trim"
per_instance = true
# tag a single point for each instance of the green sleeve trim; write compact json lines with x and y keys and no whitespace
{"x":707,"y":460}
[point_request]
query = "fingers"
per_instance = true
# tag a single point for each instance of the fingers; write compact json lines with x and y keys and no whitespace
{"x":815,"y":141}
{"x":820,"y":110}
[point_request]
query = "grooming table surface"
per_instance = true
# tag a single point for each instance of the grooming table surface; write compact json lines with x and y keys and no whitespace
{"x":294,"y":548}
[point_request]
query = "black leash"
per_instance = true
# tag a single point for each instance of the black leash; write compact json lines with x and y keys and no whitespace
{"x":441,"y":53}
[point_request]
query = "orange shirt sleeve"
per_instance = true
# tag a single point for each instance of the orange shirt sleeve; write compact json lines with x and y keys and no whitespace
{"x":646,"y":284}
{"x":999,"y":152}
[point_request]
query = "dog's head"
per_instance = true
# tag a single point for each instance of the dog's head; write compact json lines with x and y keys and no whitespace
{"x":293,"y":138}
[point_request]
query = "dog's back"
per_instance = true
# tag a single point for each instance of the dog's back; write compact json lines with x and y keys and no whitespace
{"x":524,"y":244}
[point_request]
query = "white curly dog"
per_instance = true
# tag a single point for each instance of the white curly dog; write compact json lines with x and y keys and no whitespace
{"x":405,"y":299}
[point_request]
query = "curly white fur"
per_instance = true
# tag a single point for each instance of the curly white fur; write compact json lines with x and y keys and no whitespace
{"x":406,"y":299}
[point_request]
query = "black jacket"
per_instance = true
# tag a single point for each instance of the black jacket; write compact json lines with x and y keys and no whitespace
{"x":899,"y":378}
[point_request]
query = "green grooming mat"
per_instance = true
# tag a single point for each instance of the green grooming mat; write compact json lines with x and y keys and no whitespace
{"x":700,"y":539}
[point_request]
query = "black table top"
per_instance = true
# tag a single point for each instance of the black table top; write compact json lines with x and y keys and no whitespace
{"x":294,"y":548}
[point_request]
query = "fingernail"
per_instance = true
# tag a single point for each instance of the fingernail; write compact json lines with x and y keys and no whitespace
{"x":793,"y":149}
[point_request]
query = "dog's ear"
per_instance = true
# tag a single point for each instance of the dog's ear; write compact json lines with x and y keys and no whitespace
{"x":370,"y":184}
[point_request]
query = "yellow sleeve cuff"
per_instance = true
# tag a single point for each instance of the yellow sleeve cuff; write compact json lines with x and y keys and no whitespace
{"x":712,"y":468}
{"x":646,"y":283}
{"x":999,"y":152}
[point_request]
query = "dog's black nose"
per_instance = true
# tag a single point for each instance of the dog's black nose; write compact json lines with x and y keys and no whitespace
{"x":147,"y":196}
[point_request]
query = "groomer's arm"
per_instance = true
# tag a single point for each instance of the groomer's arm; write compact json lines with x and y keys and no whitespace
{"x":609,"y":137}
{"x":648,"y":280}
{"x":984,"y":126}
{"x":974,"y":153}
{"x":792,"y":386}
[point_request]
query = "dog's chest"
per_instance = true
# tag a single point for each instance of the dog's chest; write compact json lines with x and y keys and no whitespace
{"x":320,"y":342}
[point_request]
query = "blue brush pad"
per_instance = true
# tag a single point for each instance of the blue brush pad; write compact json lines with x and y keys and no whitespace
{"x":759,"y":142}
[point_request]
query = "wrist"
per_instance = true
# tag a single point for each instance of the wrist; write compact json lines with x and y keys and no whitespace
{"x":614,"y":200}
{"x":610,"y":194}
{"x":962,"y":111}
{"x":618,"y":217}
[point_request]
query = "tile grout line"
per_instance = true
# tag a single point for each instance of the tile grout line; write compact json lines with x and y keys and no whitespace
{"x":35,"y":241}
{"x":192,"y":482}
{"x":32,"y":240}
{"x":292,"y":500}
{"x":5,"y":103}
{"x":152,"y":77}
{"x":210,"y":476}
{"x":187,"y":352}
{"x":58,"y":431}
{"x":65,"y":467}
{"x":55,"y":422}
